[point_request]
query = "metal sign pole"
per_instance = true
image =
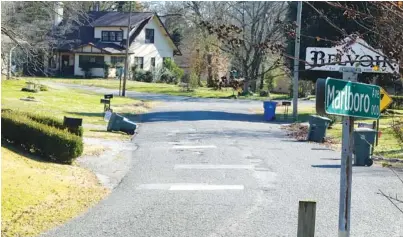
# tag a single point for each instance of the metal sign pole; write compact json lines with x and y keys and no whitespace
{"x":349,"y":74}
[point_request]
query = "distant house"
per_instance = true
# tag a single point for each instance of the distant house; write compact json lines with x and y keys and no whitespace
{"x":103,"y":40}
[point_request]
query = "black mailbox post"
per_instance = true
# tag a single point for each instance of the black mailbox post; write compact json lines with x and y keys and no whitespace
{"x":286,"y":104}
{"x":107,"y":104}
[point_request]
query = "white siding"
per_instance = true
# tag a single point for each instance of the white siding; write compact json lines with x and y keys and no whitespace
{"x":90,"y":49}
{"x":96,"y":72}
{"x":98,"y":31}
{"x":161,"y":47}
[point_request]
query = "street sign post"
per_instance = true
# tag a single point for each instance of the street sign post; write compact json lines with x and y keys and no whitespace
{"x":348,"y":99}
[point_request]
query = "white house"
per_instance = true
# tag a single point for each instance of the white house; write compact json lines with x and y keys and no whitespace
{"x":103,"y":40}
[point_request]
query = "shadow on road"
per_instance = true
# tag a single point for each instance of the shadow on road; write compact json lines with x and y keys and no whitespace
{"x":172,"y":116}
{"x":327,"y":166}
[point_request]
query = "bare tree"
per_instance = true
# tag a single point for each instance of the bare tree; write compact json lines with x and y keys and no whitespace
{"x":31,"y":27}
{"x":246,"y":33}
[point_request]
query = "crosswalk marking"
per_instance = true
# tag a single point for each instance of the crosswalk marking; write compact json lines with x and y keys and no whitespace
{"x":193,"y":147}
{"x":212,"y":166}
{"x":188,"y":187}
{"x":205,"y":187}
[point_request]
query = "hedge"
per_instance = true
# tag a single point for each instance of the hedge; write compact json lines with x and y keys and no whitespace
{"x":53,"y":122}
{"x":397,"y":102}
{"x":49,"y":142}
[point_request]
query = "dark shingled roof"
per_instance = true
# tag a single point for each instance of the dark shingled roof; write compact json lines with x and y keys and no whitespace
{"x":119,"y":18}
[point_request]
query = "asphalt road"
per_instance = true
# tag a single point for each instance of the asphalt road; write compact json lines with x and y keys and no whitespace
{"x":214,"y":168}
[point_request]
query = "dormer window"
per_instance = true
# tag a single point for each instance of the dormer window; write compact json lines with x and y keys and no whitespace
{"x":149,"y":36}
{"x":112,"y":36}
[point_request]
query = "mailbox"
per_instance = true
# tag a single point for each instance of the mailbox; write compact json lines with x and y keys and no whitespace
{"x":108,"y":96}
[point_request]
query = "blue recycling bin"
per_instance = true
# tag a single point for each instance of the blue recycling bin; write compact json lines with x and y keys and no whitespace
{"x":269,"y":110}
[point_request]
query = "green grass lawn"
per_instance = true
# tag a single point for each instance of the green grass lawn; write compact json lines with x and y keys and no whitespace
{"x":162,"y":88}
{"x":59,"y":102}
{"x":38,"y":195}
{"x":388,"y":145}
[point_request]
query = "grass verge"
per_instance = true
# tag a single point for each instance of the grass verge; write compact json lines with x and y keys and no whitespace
{"x":59,"y":102}
{"x":388,"y":145}
{"x":162,"y":88}
{"x":38,"y":195}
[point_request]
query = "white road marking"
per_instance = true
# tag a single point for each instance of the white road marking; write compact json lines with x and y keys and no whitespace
{"x":211,"y":166}
{"x":154,"y":186}
{"x":188,"y":187}
{"x":205,"y":187}
{"x":194,"y":147}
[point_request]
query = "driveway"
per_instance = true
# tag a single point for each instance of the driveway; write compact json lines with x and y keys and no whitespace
{"x":207,"y":167}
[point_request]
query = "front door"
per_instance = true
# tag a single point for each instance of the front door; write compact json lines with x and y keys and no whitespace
{"x":66,"y":68}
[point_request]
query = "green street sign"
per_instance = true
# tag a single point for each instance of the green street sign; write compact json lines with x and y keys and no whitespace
{"x":351,"y":98}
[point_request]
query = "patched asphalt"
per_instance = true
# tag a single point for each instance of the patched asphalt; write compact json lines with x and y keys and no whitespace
{"x":227,"y":132}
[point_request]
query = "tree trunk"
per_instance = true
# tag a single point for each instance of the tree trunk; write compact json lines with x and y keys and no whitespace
{"x":262,"y":79}
{"x":253,"y":85}
{"x":209,"y":70}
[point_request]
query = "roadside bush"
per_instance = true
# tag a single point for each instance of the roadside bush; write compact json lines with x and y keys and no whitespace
{"x":306,"y":88}
{"x":148,"y":76}
{"x":86,"y":68}
{"x":142,"y":75}
{"x":49,"y":121}
{"x":397,"y":130}
{"x":43,"y":88}
{"x":168,"y":77}
{"x":193,"y":80}
{"x":333,"y":119}
{"x":397,"y":102}
{"x":107,"y":67}
{"x":176,"y":71}
{"x":49,"y":142}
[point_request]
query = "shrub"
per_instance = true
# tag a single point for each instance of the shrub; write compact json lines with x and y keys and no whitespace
{"x":43,"y":88}
{"x":139,"y":75}
{"x":333,"y":119}
{"x":148,"y":76}
{"x":397,"y":130}
{"x":49,"y":121}
{"x":107,"y":66}
{"x":49,"y":142}
{"x":397,"y":102}
{"x":168,"y":77}
{"x":193,"y":80}
{"x":174,"y":69}
{"x":87,"y":67}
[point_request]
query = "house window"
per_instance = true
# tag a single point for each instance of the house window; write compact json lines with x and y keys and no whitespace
{"x":117,"y":60}
{"x":94,"y":61}
{"x":139,"y":62}
{"x":152,"y":62}
{"x":149,"y":36}
{"x":112,"y":36}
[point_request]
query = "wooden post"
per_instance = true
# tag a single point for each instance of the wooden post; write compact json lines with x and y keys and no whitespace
{"x":306,"y":219}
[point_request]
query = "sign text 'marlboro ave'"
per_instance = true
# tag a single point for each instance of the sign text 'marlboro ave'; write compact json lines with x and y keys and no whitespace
{"x":352,"y":99}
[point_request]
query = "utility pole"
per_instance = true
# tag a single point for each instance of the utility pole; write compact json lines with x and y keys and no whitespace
{"x":296,"y":63}
{"x":127,"y":52}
